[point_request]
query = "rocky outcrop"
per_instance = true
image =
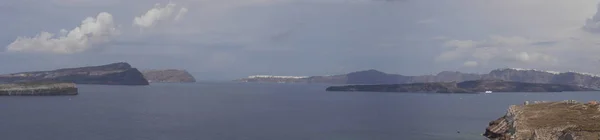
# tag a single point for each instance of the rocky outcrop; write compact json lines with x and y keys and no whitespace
{"x":564,"y":120}
{"x":168,"y":76}
{"x":38,"y":89}
{"x":462,"y":87}
{"x":111,"y":74}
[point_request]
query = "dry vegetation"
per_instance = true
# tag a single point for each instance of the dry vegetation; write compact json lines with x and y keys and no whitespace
{"x":583,"y":117}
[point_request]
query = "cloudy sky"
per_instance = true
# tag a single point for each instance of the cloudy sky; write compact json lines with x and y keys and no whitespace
{"x":227,"y":39}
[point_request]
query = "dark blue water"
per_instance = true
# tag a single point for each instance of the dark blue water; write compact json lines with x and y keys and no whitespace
{"x":241,"y":111}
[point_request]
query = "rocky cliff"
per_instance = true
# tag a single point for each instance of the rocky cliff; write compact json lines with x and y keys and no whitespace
{"x":476,"y":86}
{"x":507,"y":74}
{"x":565,"y":120}
{"x":168,"y":76}
{"x":111,"y":74}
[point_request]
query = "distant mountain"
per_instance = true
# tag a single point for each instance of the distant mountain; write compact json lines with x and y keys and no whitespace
{"x":111,"y":74}
{"x":364,"y":77}
{"x":507,"y":74}
{"x":521,"y":75}
{"x":168,"y":76}
{"x":476,"y":86}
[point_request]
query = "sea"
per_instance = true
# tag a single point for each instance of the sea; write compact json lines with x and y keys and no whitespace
{"x":255,"y":111}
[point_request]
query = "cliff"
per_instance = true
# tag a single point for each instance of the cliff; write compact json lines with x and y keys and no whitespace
{"x":462,"y":87}
{"x":507,"y":74}
{"x":168,"y":76}
{"x":565,"y":120}
{"x":38,"y":89}
{"x":111,"y":74}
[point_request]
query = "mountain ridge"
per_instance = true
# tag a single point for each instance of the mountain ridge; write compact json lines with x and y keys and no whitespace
{"x":372,"y":76}
{"x":476,"y":86}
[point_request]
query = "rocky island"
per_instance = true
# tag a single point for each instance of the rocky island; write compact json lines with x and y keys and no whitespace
{"x":475,"y":86}
{"x":564,"y":120}
{"x":168,"y":76}
{"x":38,"y":89}
{"x":111,"y":74}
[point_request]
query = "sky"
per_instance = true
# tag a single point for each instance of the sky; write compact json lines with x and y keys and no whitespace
{"x":229,"y":39}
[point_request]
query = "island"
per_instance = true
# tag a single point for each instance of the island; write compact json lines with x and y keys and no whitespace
{"x":476,"y":86}
{"x":373,"y":76}
{"x":111,"y":74}
{"x":38,"y":89}
{"x":168,"y":76}
{"x":542,"y":120}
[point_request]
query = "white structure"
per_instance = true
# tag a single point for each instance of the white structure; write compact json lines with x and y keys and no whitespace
{"x":279,"y":77}
{"x":552,"y":72}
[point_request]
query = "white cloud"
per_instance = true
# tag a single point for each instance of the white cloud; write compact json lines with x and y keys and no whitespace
{"x":593,"y":24}
{"x":532,"y":57}
{"x":496,"y":49}
{"x":181,"y":13}
{"x":92,"y":31}
{"x":460,"y":47}
{"x":159,"y":14}
{"x":471,"y":63}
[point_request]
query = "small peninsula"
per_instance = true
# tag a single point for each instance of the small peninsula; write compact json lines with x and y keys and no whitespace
{"x":168,"y":76}
{"x":38,"y":89}
{"x":111,"y":74}
{"x":563,"y":120}
{"x":476,"y":86}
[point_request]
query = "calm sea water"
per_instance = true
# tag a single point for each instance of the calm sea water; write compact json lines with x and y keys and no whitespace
{"x":243,"y":111}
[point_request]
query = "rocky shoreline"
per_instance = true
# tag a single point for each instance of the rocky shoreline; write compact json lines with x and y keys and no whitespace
{"x":563,"y":120}
{"x":38,"y":89}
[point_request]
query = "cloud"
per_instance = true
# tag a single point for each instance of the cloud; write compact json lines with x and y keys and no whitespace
{"x":471,"y":63}
{"x":593,"y":24}
{"x":496,"y":49}
{"x":181,"y":13}
{"x":269,"y":28}
{"x":159,"y":14}
{"x":92,"y":31}
{"x":460,"y":47}
{"x":530,"y":57}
